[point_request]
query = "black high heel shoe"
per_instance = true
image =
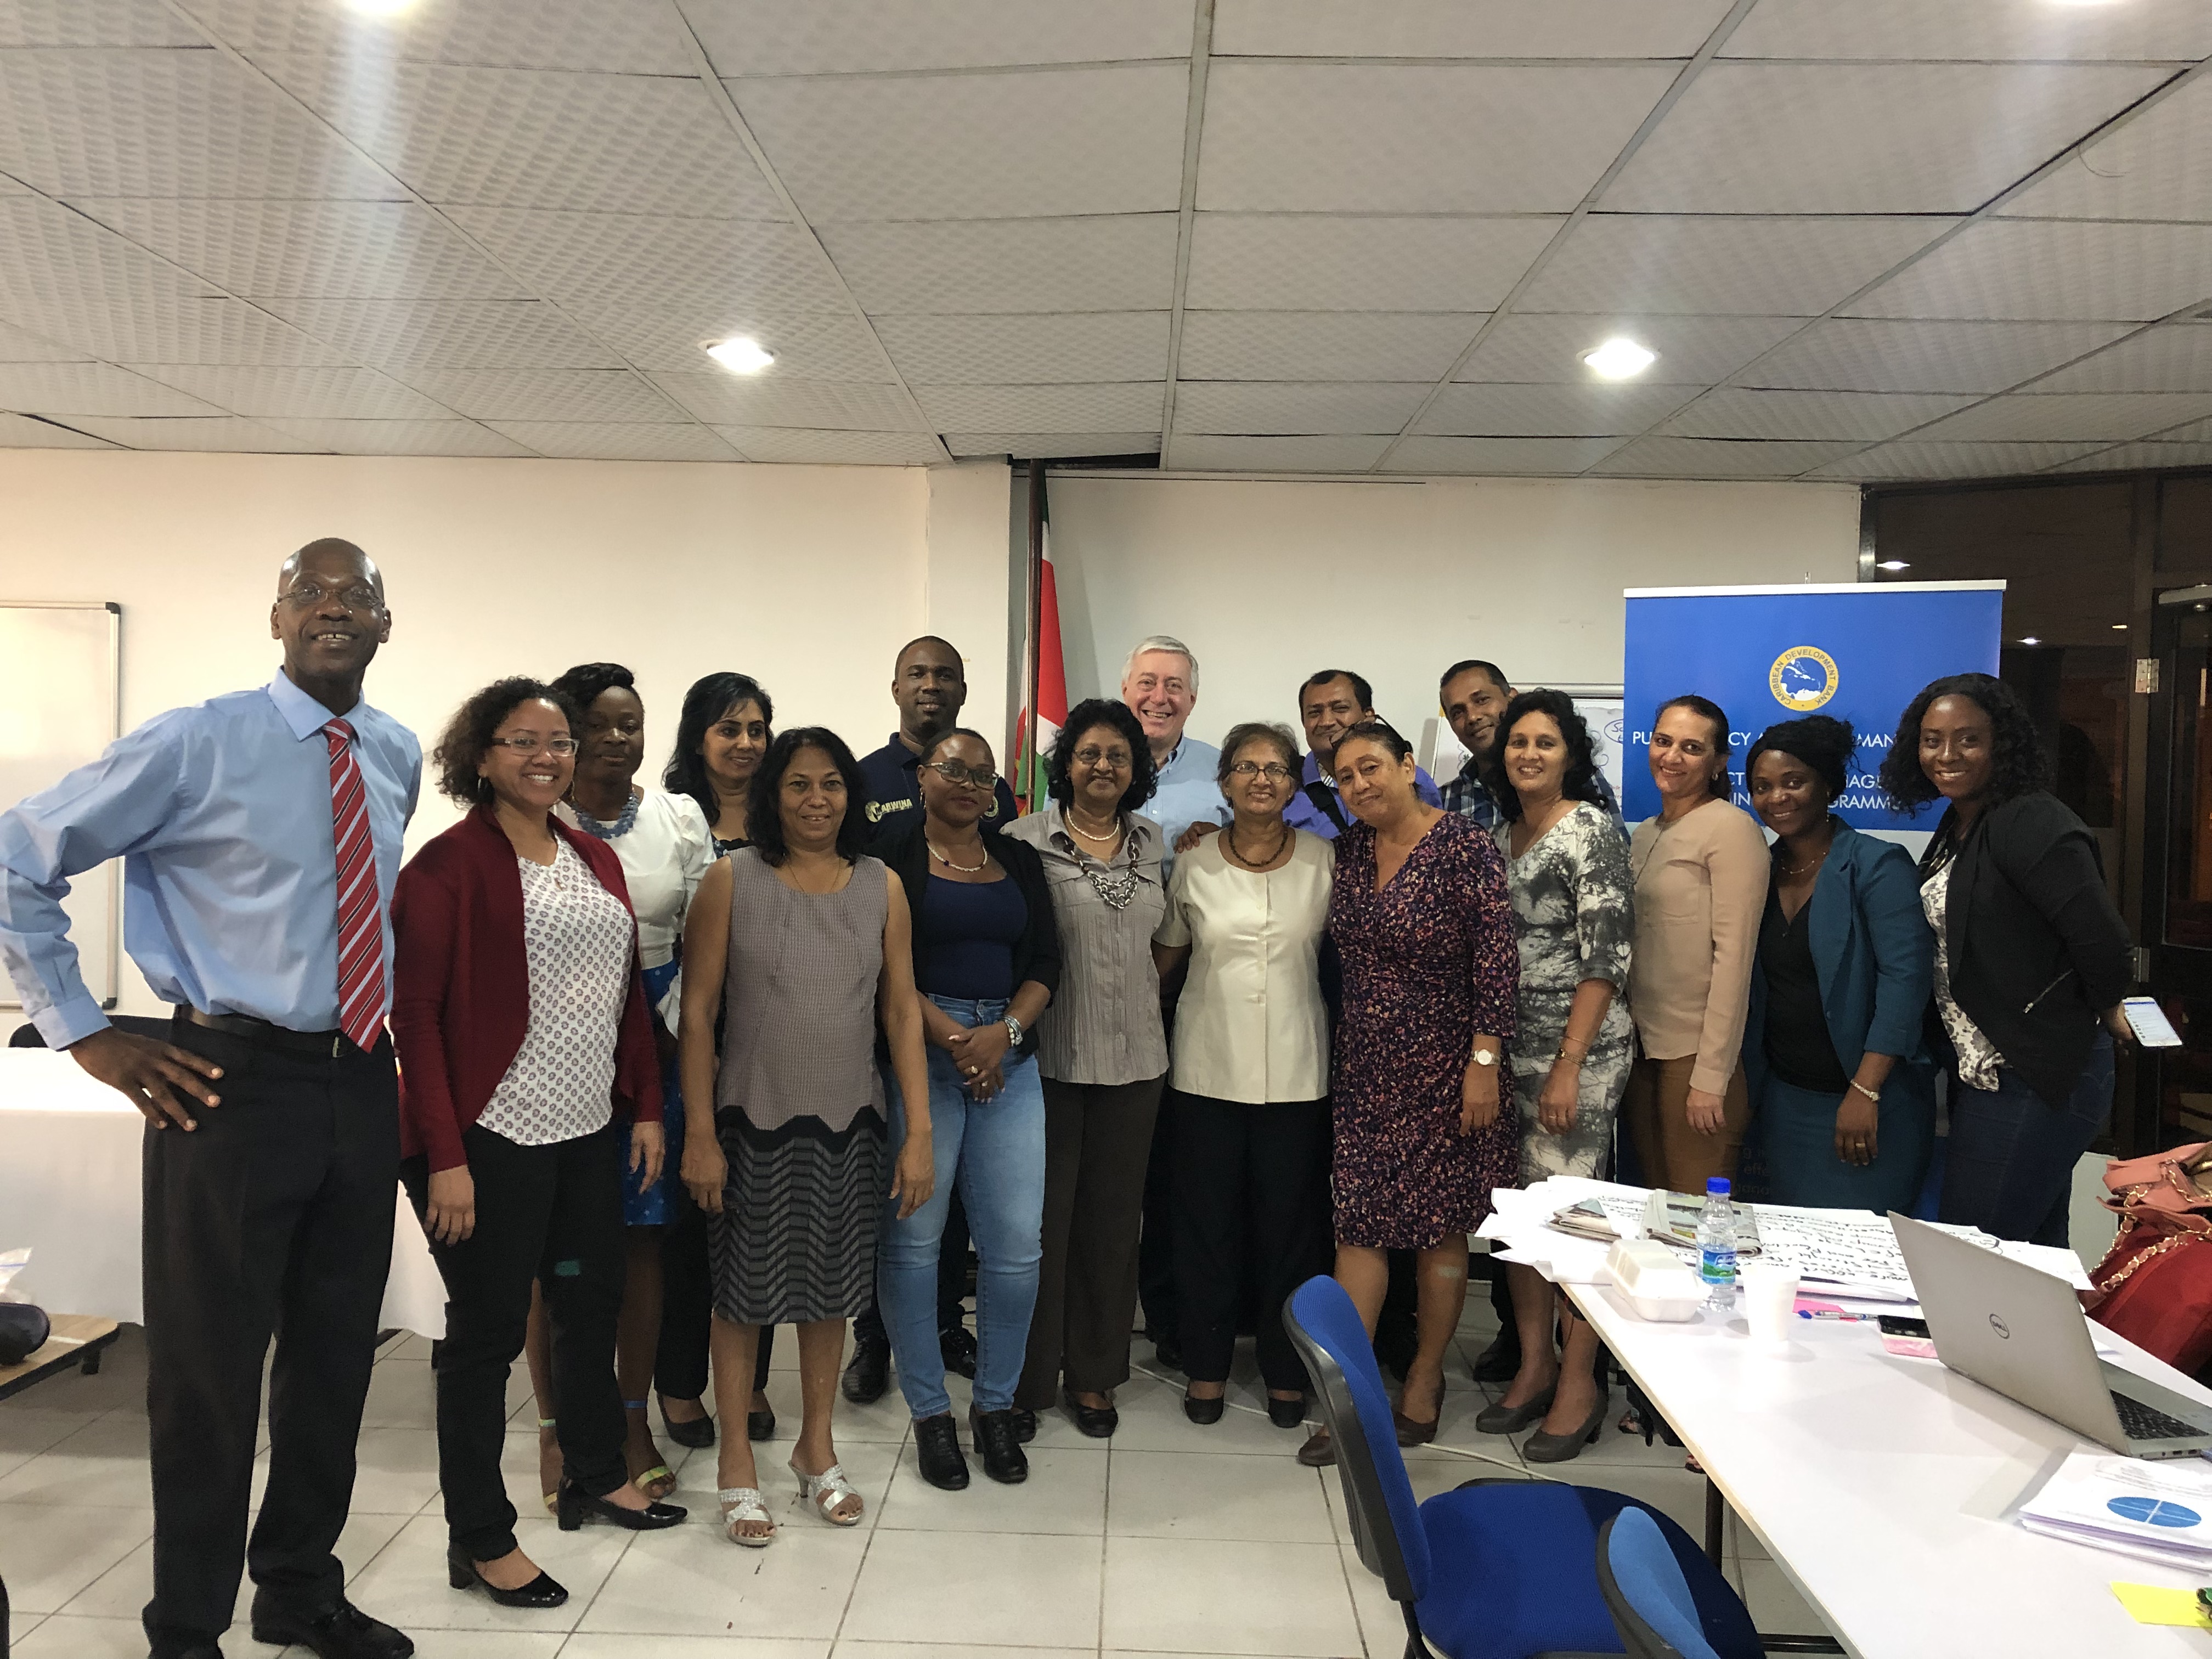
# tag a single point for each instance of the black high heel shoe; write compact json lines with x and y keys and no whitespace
{"x":696,"y":1432}
{"x":574,"y":1504}
{"x":541,"y":1592}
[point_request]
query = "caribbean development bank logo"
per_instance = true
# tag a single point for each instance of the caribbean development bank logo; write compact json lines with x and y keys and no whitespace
{"x":1803,"y":678}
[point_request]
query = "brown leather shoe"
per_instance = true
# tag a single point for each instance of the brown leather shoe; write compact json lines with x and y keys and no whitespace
{"x":1319,"y":1452}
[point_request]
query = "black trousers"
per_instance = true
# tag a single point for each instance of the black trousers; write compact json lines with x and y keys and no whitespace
{"x":1158,"y":1283}
{"x":1250,"y":1198}
{"x":549,"y":1215}
{"x":273,"y":1218}
{"x":687,"y":1309}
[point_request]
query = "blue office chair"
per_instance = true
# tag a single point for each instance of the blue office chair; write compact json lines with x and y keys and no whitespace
{"x":1645,"y":1592}
{"x":1497,"y":1568}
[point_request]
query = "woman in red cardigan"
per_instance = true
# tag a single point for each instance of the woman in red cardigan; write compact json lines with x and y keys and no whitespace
{"x":524,"y":1047}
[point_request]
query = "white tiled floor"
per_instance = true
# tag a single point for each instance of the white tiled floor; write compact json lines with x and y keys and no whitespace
{"x":1169,"y":1541}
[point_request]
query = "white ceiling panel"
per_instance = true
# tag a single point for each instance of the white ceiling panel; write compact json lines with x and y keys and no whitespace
{"x":1415,"y":138}
{"x":1187,"y":453}
{"x":2031,"y":269}
{"x":1323,"y":345}
{"x":729,"y":399}
{"x":618,"y":440}
{"x":1264,"y":408}
{"x":806,"y":346}
{"x":23,"y":431}
{"x":1498,"y":457}
{"x":1111,"y":262}
{"x":1866,"y":139}
{"x":848,"y":37}
{"x":495,"y":137}
{"x":2175,"y":358}
{"x":1717,"y":458}
{"x":1776,"y":267}
{"x":2129,"y":457}
{"x":1242,"y":262}
{"x":66,"y":389}
{"x":19,"y":345}
{"x":833,"y":447}
{"x":330,"y":250}
{"x":46,"y":251}
{"x":545,"y":394}
{"x":1464,"y":29}
{"x":1119,"y":407}
{"x":1741,"y":412}
{"x":2157,"y":166}
{"x":223,"y":433}
{"x":2193,"y":432}
{"x":1047,"y":446}
{"x":627,"y":37}
{"x":93,"y":23}
{"x":165,"y":123}
{"x":399,"y":438}
{"x":2111,"y":416}
{"x":673,"y":265}
{"x":1022,"y":350}
{"x":1851,"y":354}
{"x":1548,"y":346}
{"x":306,"y":393}
{"x":171,"y":329}
{"x":406,"y":335}
{"x":999,"y":146}
{"x":1588,"y":408}
{"x":1973,"y":29}
{"x":1918,"y":460}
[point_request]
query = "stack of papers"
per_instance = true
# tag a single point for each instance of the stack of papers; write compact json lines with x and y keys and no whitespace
{"x":2155,"y":1510}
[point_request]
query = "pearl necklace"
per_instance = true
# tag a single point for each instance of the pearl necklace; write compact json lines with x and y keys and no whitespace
{"x":965,"y":869}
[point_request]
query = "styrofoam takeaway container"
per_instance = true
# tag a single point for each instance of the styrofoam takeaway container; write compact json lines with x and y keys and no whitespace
{"x":1657,"y":1283}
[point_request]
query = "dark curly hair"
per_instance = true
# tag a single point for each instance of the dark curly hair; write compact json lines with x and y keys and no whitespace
{"x":462,"y":744}
{"x":1581,"y":781}
{"x":764,"y":812}
{"x":2018,"y":764}
{"x":1821,"y":741}
{"x":1715,"y":716}
{"x":1085,"y":717}
{"x":584,"y":683}
{"x":707,"y":701}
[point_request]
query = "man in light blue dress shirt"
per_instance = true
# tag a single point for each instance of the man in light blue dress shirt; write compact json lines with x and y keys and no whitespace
{"x":272,"y":1142}
{"x":1159,"y":683}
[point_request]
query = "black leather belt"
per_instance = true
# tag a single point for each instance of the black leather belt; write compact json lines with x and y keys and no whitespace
{"x":260,"y":1032}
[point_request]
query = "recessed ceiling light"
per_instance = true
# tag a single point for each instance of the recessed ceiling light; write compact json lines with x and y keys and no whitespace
{"x":380,"y":8}
{"x":742,"y":355}
{"x":1619,"y":358}
{"x":1893,"y":564}
{"x":2122,"y":626}
{"x":2031,"y":640}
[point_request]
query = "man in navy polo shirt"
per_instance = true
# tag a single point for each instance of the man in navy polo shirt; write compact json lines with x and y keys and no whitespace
{"x":930,"y":687}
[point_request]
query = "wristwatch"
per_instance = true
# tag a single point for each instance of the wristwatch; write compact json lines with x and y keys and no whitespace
{"x":1013,"y":1032}
{"x":1486,"y":1057}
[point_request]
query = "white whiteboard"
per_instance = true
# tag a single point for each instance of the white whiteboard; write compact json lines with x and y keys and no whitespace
{"x":63,"y":707}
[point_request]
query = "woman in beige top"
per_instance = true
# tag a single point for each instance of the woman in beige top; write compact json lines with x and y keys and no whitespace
{"x":1701,"y":869}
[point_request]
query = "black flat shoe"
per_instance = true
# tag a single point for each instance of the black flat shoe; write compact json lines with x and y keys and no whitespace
{"x":869,"y":1374}
{"x":698,"y":1432}
{"x":1025,"y":1425}
{"x":937,"y":1444}
{"x":1099,"y":1422}
{"x":958,"y":1349}
{"x":999,"y":1446}
{"x":574,"y":1504}
{"x":1286,"y":1413}
{"x":760,"y":1425}
{"x":1203,"y":1412}
{"x":462,"y":1573}
{"x":345,"y":1632}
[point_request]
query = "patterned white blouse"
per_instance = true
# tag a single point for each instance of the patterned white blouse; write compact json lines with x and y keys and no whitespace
{"x":1978,"y":1059}
{"x":578,"y":939}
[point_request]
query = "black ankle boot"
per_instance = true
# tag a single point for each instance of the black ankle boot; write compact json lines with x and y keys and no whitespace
{"x":936,"y":1443}
{"x":998,"y":1443}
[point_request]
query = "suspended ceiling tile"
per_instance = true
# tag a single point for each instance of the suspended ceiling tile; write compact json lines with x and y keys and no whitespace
{"x":1717,"y":458}
{"x":2193,"y":432}
{"x":2169,"y":29}
{"x":2140,"y":458}
{"x":1415,"y":137}
{"x":1773,"y":267}
{"x":328,"y":250}
{"x":2111,"y":416}
{"x":1116,"y":407}
{"x":23,"y":431}
{"x":2157,"y":166}
{"x":771,"y":400}
{"x":300,"y":392}
{"x":1852,"y":354}
{"x":1866,"y":139}
{"x":1240,"y":262}
{"x":999,"y":146}
{"x":1499,"y":457}
{"x":1025,"y":349}
{"x":167,"y":328}
{"x":404,"y":335}
{"x":1323,"y":345}
{"x":1741,"y":412}
{"x":498,"y":137}
{"x":833,"y":448}
{"x":618,"y":440}
{"x":1540,"y":346}
{"x":1048,"y":445}
{"x":1263,"y":408}
{"x":65,"y":389}
{"x":1187,"y":453}
{"x":165,"y":123}
{"x":226,"y":433}
{"x":1918,"y":460}
{"x":805,"y":346}
{"x":2045,"y":269}
{"x":2177,"y":357}
{"x":627,"y":37}
{"x":19,"y":345}
{"x":400,"y":438}
{"x":1591,"y":408}
{"x":1463,"y":28}
{"x":546,"y":394}
{"x":848,"y":37}
{"x":49,"y":253}
{"x":1111,"y":262}
{"x":677,"y":265}
{"x":93,"y":23}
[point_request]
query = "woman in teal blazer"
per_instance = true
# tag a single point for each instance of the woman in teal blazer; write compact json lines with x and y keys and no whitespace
{"x":1841,"y":1087}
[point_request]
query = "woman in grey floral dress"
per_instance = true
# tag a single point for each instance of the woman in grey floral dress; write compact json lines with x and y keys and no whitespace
{"x":1566,"y":869}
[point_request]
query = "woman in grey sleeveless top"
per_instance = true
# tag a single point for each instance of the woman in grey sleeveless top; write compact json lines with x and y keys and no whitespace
{"x":796,"y":944}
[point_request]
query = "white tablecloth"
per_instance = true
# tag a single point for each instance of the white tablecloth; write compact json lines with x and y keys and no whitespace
{"x":69,"y":1188}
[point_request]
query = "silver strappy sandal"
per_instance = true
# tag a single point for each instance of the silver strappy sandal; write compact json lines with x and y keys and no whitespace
{"x":826,"y":1491}
{"x":742,"y":1504}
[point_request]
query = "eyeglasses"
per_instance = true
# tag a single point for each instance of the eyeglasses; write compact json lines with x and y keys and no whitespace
{"x":531,"y":746}
{"x":953,"y":772}
{"x":306,"y":596}
{"x":1114,"y":759}
{"x":1273,"y":771}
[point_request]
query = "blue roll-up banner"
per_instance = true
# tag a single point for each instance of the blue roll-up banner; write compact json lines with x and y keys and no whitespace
{"x":1859,"y":653}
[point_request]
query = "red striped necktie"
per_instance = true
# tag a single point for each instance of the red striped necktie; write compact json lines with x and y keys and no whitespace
{"x":360,"y":931}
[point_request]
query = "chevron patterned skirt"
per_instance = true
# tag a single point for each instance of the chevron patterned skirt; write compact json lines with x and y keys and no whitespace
{"x":796,"y":1240}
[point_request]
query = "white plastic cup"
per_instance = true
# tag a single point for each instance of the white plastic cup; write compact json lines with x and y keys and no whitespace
{"x":1770,"y":1301}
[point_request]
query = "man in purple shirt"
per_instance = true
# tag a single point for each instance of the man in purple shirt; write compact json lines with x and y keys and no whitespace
{"x":1330,"y":703}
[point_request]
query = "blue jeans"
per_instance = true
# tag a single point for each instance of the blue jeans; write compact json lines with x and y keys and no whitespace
{"x":994,"y":1150}
{"x":2009,"y":1166}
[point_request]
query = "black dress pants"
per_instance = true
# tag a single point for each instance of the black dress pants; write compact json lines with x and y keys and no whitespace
{"x":1250,"y":1198}
{"x":552,"y":1215}
{"x":272,"y":1217}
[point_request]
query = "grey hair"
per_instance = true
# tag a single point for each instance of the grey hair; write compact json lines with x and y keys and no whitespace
{"x":1163,"y":643}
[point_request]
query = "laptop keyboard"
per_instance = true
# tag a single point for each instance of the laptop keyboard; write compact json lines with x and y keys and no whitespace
{"x":2143,"y":1422}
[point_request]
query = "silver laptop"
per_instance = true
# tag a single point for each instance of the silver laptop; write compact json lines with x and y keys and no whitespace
{"x":2021,"y":1331}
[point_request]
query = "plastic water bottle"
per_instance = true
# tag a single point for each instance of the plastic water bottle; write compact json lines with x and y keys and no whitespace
{"x":1716,"y":1247}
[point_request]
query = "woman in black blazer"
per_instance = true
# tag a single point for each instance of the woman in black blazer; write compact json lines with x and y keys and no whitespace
{"x":2031,"y":956}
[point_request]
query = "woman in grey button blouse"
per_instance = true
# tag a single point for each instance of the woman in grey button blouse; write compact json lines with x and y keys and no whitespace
{"x":1102,"y":1054}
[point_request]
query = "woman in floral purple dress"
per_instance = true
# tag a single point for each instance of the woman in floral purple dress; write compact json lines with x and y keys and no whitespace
{"x":1423,"y":921}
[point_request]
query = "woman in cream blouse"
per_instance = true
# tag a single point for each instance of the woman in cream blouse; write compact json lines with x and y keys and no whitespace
{"x":1701,"y":868}
{"x":1249,"y":907}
